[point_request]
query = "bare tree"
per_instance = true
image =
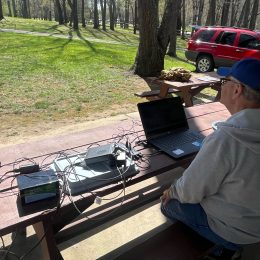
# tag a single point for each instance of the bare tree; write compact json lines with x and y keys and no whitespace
{"x":200,"y":13}
{"x":75,"y":15}
{"x":252,"y":22}
{"x":126,"y":21}
{"x":225,"y":13}
{"x":211,"y":18}
{"x":103,"y":4}
{"x":83,"y":20}
{"x":234,"y":11}
{"x":1,"y":11}
{"x":183,"y":19}
{"x":96,"y":18}
{"x":243,"y":19}
{"x":14,"y":8}
{"x":112,"y":14}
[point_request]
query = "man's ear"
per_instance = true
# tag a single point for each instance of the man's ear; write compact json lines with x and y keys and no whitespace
{"x":238,"y":91}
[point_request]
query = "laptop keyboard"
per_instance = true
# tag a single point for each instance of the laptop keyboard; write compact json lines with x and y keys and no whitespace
{"x":176,"y":139}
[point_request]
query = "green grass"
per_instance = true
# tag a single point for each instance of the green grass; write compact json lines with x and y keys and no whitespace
{"x":52,"y":27}
{"x":47,"y":79}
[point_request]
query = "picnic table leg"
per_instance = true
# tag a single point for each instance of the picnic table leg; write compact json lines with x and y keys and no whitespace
{"x":44,"y":231}
{"x":187,"y":98}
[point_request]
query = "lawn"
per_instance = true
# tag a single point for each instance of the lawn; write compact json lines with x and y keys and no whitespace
{"x":49,"y":79}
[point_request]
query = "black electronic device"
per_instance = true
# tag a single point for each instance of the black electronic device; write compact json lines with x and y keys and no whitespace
{"x":38,"y":186}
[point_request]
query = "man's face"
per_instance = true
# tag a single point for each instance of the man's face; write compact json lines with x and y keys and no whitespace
{"x":227,"y":92}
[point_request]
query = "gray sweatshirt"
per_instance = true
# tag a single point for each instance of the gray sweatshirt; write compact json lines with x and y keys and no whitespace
{"x":225,"y":178}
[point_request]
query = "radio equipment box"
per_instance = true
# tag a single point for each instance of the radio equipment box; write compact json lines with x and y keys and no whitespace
{"x":38,"y":186}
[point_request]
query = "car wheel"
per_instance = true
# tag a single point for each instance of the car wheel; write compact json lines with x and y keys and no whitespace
{"x":204,"y":63}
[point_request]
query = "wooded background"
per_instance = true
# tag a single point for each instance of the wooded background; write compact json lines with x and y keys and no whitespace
{"x":123,"y":13}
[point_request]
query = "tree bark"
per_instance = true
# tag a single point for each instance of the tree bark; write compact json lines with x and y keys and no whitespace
{"x":103,"y":4}
{"x":9,"y":8}
{"x":150,"y":58}
{"x":234,"y":10}
{"x":211,"y":18}
{"x":252,"y":23}
{"x":243,"y":19}
{"x":126,"y":22}
{"x":1,"y":11}
{"x":200,"y":13}
{"x":225,"y":13}
{"x":96,"y":18}
{"x":173,"y":28}
{"x":112,"y":15}
{"x":75,"y":15}
{"x":59,"y":12}
{"x":183,"y":19}
{"x":83,"y":21}
{"x":135,"y":18}
{"x":14,"y":8}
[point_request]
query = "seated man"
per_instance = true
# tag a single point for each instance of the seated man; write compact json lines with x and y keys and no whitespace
{"x":218,"y":196}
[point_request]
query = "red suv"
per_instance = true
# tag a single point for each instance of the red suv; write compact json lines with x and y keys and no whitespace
{"x":212,"y":47}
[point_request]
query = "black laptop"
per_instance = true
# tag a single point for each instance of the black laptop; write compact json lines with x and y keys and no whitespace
{"x":166,"y":127}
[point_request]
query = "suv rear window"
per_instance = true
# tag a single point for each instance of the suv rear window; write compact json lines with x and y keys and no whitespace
{"x":205,"y":35}
{"x":248,"y":41}
{"x":226,"y":38}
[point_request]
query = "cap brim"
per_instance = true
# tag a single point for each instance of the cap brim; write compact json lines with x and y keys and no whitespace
{"x":224,"y":71}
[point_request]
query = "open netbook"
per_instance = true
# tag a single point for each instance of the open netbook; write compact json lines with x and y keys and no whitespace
{"x":166,"y":127}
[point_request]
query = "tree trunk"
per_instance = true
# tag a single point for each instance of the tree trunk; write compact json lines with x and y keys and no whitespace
{"x":183,"y":19}
{"x":173,"y":28}
{"x":65,"y":16}
{"x":200,"y":13}
{"x":14,"y":8}
{"x":211,"y":18}
{"x":112,"y":15}
{"x":9,"y":8}
{"x":83,"y":13}
{"x":59,"y":12}
{"x":75,"y":15}
{"x":1,"y":11}
{"x":234,"y":10}
{"x":24,"y":9}
{"x":150,"y":58}
{"x":135,"y":18}
{"x":103,"y":4}
{"x":126,"y":22}
{"x":243,"y":19}
{"x":252,"y":23}
{"x":225,"y":13}
{"x":96,"y":18}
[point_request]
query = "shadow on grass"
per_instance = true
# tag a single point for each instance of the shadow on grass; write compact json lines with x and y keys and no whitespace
{"x":86,"y":42}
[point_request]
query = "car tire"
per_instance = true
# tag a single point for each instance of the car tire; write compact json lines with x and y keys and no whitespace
{"x":204,"y":63}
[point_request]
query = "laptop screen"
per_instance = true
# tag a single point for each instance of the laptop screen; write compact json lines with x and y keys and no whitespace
{"x":162,"y":116}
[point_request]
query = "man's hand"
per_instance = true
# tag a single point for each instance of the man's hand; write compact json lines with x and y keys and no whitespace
{"x":165,"y":197}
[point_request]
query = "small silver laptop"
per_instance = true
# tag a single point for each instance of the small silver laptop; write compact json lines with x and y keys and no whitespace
{"x":166,"y":127}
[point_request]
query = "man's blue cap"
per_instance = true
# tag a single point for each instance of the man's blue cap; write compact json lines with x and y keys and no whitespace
{"x":246,"y":71}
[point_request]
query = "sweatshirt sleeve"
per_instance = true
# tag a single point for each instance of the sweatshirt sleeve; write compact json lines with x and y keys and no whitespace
{"x":206,"y":172}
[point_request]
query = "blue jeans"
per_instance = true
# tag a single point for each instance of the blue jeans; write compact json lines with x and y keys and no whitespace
{"x":194,"y":217}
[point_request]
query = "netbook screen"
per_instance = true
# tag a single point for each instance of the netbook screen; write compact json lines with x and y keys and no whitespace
{"x":161,"y":116}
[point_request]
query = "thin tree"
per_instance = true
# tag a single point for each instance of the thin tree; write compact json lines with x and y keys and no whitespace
{"x":200,"y":11}
{"x":14,"y":8}
{"x":183,"y":19}
{"x":96,"y":18}
{"x":126,"y":21}
{"x":243,"y":19}
{"x":75,"y":15}
{"x":135,"y":18}
{"x":211,"y":18}
{"x":111,"y":15}
{"x":252,"y":22}
{"x":103,"y":4}
{"x":234,"y":11}
{"x":225,"y":13}
{"x":83,"y":21}
{"x":9,"y":8}
{"x":1,"y":11}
